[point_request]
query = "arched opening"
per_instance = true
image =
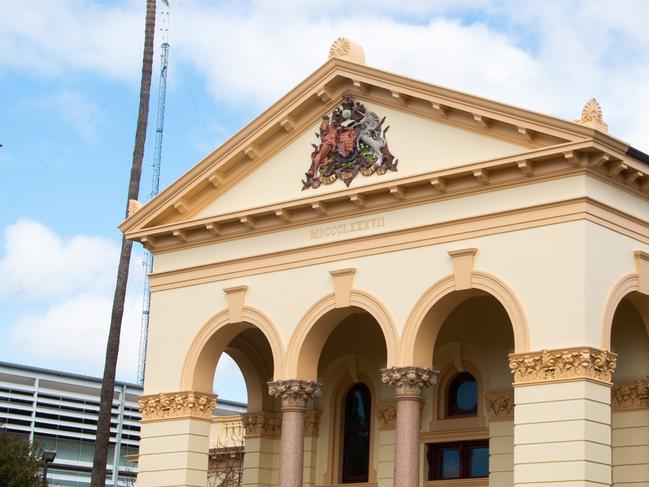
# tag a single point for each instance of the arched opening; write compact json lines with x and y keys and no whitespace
{"x":346,"y":350}
{"x":472,"y":338}
{"x":253,"y":347}
{"x":630,"y":337}
{"x":630,"y":393}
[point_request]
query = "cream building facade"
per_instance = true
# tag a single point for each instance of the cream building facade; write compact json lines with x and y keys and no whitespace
{"x":475,"y":313}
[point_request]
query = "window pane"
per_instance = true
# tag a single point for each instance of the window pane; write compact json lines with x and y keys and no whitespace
{"x":467,"y":395}
{"x":450,"y":464}
{"x":356,"y":447}
{"x":480,"y":461}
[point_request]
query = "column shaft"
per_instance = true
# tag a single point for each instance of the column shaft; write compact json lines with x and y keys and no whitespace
{"x":294,"y":394}
{"x":406,"y":454}
{"x":292,"y":448}
{"x":409,"y":383}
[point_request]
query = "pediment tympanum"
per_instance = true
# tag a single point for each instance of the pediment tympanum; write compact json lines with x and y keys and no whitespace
{"x":437,"y":137}
{"x":419,"y":144}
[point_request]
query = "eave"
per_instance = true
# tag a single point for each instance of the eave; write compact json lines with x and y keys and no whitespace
{"x":585,"y":157}
{"x":303,"y":106}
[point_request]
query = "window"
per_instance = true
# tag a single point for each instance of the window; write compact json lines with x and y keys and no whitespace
{"x":462,"y":396}
{"x":461,"y":460}
{"x":356,"y":435}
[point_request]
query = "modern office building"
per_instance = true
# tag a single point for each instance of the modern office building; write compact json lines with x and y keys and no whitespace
{"x":59,"y":411}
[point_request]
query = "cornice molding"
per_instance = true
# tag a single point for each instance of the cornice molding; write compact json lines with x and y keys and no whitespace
{"x":545,"y":164}
{"x":299,"y":109}
{"x":461,"y":229}
{"x":168,"y":405}
{"x":630,"y":395}
{"x":563,"y":364}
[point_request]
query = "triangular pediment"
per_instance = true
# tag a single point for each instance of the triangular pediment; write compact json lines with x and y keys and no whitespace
{"x":261,"y":167}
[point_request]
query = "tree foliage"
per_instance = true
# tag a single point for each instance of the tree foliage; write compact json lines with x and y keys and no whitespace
{"x":20,"y":462}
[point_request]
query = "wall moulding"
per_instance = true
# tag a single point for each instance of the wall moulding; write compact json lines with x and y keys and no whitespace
{"x":563,"y":364}
{"x":549,"y":163}
{"x":175,"y":405}
{"x":630,"y":395}
{"x":386,"y":414}
{"x":500,"y":406}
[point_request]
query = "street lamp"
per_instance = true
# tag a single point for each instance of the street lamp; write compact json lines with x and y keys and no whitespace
{"x":48,"y":457}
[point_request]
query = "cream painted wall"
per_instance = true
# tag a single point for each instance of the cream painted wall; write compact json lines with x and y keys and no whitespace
{"x":631,"y":448}
{"x":542,"y":265}
{"x":411,"y":217}
{"x":420,"y":145}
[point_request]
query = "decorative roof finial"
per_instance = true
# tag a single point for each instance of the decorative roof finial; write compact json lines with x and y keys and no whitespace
{"x":591,"y":116}
{"x":348,"y":50}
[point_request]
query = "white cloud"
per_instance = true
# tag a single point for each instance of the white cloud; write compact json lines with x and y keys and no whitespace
{"x":71,"y":335}
{"x":52,"y":38}
{"x":547,"y":56}
{"x":40,"y":264}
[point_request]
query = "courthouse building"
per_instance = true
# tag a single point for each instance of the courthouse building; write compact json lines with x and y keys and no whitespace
{"x":420,"y":286}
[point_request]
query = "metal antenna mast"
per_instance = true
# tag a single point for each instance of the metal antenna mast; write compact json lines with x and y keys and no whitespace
{"x":155,"y":183}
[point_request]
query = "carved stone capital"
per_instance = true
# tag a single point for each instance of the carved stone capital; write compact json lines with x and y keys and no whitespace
{"x":294,"y":392}
{"x":631,"y":395}
{"x":261,"y":424}
{"x":500,"y":406}
{"x":188,"y":404}
{"x":562,"y":364}
{"x":387,"y":415}
{"x":409,"y":381}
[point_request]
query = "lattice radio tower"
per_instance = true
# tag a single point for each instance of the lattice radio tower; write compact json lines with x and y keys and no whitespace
{"x":155,"y":182}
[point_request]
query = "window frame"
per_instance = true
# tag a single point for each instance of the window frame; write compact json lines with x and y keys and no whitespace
{"x":358,"y":479}
{"x":451,"y":409}
{"x":433,"y":458}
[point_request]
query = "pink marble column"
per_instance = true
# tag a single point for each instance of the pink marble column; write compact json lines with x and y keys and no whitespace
{"x":294,"y":395}
{"x":409,"y":383}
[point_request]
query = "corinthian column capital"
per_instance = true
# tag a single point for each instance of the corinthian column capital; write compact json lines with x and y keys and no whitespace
{"x":294,"y":392}
{"x":409,"y":381}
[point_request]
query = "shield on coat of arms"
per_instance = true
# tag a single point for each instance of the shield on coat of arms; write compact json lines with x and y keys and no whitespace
{"x":352,"y":141}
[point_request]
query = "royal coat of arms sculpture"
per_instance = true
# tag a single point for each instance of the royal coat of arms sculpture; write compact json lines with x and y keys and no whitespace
{"x":352,"y":140}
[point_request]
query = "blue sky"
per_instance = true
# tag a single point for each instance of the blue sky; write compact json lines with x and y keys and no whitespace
{"x":69,"y":79}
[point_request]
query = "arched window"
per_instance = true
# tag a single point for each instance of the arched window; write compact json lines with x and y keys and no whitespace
{"x":462,"y":398}
{"x":356,"y":434}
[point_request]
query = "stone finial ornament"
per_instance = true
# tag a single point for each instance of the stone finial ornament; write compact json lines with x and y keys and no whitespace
{"x":591,"y":116}
{"x":348,"y":50}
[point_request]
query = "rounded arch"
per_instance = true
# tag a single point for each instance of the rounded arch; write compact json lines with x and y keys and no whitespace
{"x":313,"y":329}
{"x":214,"y":338}
{"x":437,"y":303}
{"x":623,"y":288}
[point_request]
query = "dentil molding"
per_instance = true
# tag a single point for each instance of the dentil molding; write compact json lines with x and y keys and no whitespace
{"x":188,"y":404}
{"x":563,"y":364}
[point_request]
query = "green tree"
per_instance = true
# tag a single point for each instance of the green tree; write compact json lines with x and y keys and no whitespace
{"x":20,"y":462}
